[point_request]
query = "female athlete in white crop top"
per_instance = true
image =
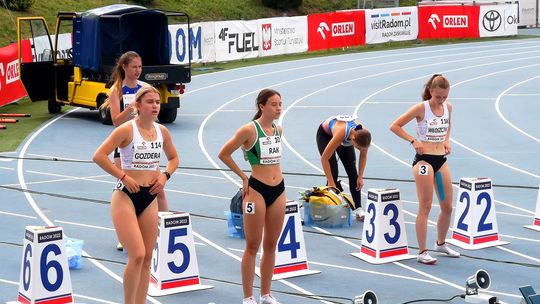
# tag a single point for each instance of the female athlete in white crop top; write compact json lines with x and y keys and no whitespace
{"x":430,"y":169}
{"x":133,"y":207}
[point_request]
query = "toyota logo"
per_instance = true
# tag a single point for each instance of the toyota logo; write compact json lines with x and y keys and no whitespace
{"x":492,"y":21}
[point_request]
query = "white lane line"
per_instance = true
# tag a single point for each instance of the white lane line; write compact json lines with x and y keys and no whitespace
{"x":357,"y":269}
{"x":75,"y":294}
{"x":373,"y":272}
{"x":114,"y":182}
{"x":18,"y":215}
{"x":501,"y":115}
{"x":368,"y":58}
{"x":280,"y":121}
{"x":33,"y":204}
{"x":519,"y":254}
{"x":6,"y":168}
{"x":523,"y":94}
{"x":85,"y":225}
{"x":356,"y":111}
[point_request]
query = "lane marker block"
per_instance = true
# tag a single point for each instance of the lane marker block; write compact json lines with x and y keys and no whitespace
{"x":44,"y":277}
{"x":291,"y":257}
{"x":174,"y":267}
{"x":384,"y":237}
{"x":536,"y":221}
{"x":475,"y":220}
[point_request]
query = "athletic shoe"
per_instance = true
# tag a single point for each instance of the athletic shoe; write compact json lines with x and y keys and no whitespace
{"x":250,"y":300}
{"x":359,"y":214}
{"x":425,"y":258}
{"x":445,"y":249}
{"x":119,"y":247}
{"x":268,"y":299}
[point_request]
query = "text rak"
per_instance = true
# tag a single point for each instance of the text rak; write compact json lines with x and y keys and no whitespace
{"x":239,"y":42}
{"x":270,"y":150}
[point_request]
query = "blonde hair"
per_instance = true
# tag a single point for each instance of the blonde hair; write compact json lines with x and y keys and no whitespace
{"x":118,"y":74}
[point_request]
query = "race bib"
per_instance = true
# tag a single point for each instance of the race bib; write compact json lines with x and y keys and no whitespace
{"x":270,"y":150}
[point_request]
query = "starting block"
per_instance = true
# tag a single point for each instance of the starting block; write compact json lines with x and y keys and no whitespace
{"x":536,"y":222}
{"x":384,"y":238}
{"x":44,"y":277}
{"x":174,"y":266}
{"x":475,"y":221}
{"x":291,"y":257}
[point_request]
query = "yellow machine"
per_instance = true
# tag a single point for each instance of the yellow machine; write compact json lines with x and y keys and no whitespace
{"x":75,"y":69}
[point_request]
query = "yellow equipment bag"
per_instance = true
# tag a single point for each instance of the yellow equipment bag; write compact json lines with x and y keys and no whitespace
{"x":329,"y":196}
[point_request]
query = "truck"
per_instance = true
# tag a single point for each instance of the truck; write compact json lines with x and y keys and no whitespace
{"x":73,"y":66}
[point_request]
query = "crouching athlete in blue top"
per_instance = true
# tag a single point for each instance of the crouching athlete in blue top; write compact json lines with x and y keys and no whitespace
{"x":133,"y":206}
{"x":263,"y":193}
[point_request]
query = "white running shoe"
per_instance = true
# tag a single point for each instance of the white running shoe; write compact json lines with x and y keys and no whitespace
{"x":250,"y":300}
{"x":445,"y":249}
{"x":425,"y":258}
{"x":359,"y":214}
{"x":268,"y":299}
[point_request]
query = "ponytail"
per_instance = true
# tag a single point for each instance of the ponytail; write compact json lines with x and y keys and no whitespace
{"x":436,"y":81}
{"x":262,"y":98}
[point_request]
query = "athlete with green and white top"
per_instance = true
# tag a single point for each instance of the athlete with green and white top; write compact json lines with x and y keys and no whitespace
{"x":263,"y":192}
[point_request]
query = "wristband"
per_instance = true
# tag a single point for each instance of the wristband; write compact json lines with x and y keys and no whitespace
{"x":122,"y":178}
{"x":412,"y":141}
{"x":167,"y":174}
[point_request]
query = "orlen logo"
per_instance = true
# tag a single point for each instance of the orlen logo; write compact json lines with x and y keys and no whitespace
{"x":267,"y":36}
{"x":456,"y":21}
{"x":343,"y":29}
{"x":12,"y":71}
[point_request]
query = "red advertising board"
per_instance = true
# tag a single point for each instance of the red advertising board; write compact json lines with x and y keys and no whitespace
{"x":334,"y":30}
{"x":11,"y":88}
{"x":441,"y":22}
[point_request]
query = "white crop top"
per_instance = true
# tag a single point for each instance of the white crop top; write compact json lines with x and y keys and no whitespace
{"x":141,"y":154}
{"x":433,"y":128}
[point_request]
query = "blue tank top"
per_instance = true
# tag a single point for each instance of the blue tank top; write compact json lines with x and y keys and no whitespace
{"x":128,"y":94}
{"x":351,"y":123}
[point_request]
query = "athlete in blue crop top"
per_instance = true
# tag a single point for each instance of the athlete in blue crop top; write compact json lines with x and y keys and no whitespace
{"x":263,"y":193}
{"x":340,"y":135}
{"x":430,"y":169}
{"x":133,"y":204}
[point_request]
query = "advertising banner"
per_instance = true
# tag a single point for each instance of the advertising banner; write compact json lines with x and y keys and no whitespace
{"x":285,"y":35}
{"x":498,"y":20}
{"x":11,"y":88}
{"x":43,"y":51}
{"x":528,"y":12}
{"x":334,"y":30}
{"x":201,"y":43}
{"x":447,"y":21}
{"x":391,"y":24}
{"x":236,"y":40}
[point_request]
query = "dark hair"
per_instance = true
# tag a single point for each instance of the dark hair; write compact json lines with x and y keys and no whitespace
{"x":262,"y":98}
{"x":362,"y":138}
{"x":436,"y":81}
